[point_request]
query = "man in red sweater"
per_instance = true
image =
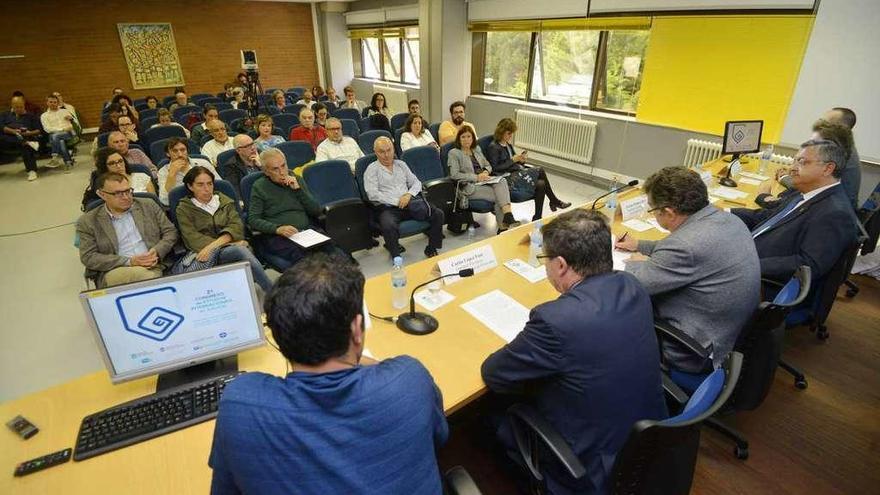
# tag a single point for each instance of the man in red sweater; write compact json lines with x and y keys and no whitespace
{"x":307,"y":130}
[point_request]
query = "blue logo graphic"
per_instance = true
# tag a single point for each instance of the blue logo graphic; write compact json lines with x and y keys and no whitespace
{"x":153,"y":322}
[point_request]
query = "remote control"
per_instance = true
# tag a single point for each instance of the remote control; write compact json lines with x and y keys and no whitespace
{"x":44,"y":462}
{"x":23,"y":427}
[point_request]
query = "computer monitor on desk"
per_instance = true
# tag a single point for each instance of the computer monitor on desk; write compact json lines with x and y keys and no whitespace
{"x":184,"y":327}
{"x":740,"y":136}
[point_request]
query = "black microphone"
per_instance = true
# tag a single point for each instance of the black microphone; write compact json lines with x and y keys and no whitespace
{"x":631,"y":183}
{"x":417,"y":323}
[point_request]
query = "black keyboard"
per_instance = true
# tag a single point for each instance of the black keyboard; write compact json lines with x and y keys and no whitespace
{"x":149,"y":417}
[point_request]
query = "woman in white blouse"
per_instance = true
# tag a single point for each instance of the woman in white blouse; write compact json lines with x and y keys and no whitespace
{"x":415,"y":134}
{"x":378,"y":105}
{"x":108,"y":160}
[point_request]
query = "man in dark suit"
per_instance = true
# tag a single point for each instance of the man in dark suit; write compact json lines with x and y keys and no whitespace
{"x":589,"y":358}
{"x":811,"y":227}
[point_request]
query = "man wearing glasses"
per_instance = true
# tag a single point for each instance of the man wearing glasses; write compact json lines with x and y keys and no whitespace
{"x":810,"y":227}
{"x":337,"y":146}
{"x":171,"y":175}
{"x":220,"y":143}
{"x":245,"y":161}
{"x":126,"y":239}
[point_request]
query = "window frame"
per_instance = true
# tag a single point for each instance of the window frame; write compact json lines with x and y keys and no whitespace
{"x":384,"y":52}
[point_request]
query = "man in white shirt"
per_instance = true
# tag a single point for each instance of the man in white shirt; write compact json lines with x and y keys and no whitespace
{"x":220,"y":143}
{"x":351,"y":100}
{"x":58,"y":124}
{"x":67,"y":106}
{"x":306,"y":99}
{"x":171,"y":175}
{"x":119,"y":142}
{"x":337,"y":146}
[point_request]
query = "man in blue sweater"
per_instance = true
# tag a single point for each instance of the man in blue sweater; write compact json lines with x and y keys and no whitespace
{"x":339,"y":422}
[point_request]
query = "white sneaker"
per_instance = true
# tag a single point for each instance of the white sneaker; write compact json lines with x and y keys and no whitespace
{"x":55,"y":162}
{"x":32,"y":176}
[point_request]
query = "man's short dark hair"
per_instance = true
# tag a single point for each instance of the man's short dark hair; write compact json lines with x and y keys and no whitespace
{"x":456,"y":104}
{"x":678,"y":188}
{"x":847,"y":116}
{"x":317,"y":107}
{"x":109,"y":177}
{"x":210,"y":106}
{"x":174,"y":141}
{"x":413,"y":102}
{"x":312,"y":305}
{"x":829,"y":152}
{"x":583,"y":239}
{"x":839,"y":133}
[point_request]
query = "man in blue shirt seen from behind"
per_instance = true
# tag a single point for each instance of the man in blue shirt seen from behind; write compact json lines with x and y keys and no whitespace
{"x":339,"y":422}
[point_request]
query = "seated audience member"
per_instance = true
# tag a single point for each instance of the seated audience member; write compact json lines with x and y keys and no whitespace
{"x":332,"y":97}
{"x":416,"y":134}
{"x":118,"y":142}
{"x":128,"y":129}
{"x":704,"y":277}
{"x":152,"y":102}
{"x":279,"y":100}
{"x":295,"y":434}
{"x":113,"y":94}
{"x":338,"y":146}
{"x":171,"y":175}
{"x":321,"y":113}
{"x":238,"y":99}
{"x":306,"y":99}
{"x":246,"y":160}
{"x":181,"y":100}
{"x":588,"y":361}
{"x":449,"y":128}
{"x":379,"y":122}
{"x":415,"y":108}
{"x":280,"y":208}
{"x":851,"y":173}
{"x":265,"y":138}
{"x":58,"y":124}
{"x":524,"y":182}
{"x":110,"y":122}
{"x":165,"y":120}
{"x":126,"y":106}
{"x":21,"y":133}
{"x":396,"y":193}
{"x":108,"y":159}
{"x":307,"y":130}
{"x":28,"y":105}
{"x":378,"y":105}
{"x":200,"y":130}
{"x":469,"y":168}
{"x":66,"y":106}
{"x":227,"y":92}
{"x":351,"y":100}
{"x":317,"y":92}
{"x":127,"y":239}
{"x":810,"y":227}
{"x":211,"y":228}
{"x":245,"y":125}
{"x":242,"y":79}
{"x":220,"y":143}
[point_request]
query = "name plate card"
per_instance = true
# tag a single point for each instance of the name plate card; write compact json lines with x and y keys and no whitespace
{"x":480,"y":259}
{"x":707,"y":178}
{"x":634,"y":207}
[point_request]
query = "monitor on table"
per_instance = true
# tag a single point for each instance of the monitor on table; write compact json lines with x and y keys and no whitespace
{"x":182,"y":327}
{"x":742,"y":136}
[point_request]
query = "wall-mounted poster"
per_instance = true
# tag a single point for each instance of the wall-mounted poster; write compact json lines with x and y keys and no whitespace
{"x":151,"y":55}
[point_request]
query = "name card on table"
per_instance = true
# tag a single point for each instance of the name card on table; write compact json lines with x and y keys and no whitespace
{"x":707,"y":178}
{"x":480,"y":259}
{"x":634,"y":207}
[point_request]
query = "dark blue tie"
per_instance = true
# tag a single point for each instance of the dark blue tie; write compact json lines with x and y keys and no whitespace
{"x":772,"y":221}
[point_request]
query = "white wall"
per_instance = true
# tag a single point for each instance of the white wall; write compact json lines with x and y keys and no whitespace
{"x":338,"y":49}
{"x":840,"y":69}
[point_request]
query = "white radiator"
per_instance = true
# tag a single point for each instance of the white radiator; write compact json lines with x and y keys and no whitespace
{"x":699,"y":152}
{"x":395,"y":98}
{"x":557,"y":136}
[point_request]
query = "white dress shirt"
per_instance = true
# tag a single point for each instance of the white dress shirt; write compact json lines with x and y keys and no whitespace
{"x":347,"y":150}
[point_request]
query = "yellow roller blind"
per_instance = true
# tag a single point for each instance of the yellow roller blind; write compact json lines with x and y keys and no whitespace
{"x":376,"y":33}
{"x":574,"y":24}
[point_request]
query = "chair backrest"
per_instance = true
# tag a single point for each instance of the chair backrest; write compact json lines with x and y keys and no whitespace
{"x":180,"y":112}
{"x":294,"y":109}
{"x":210,"y":99}
{"x":164,"y":132}
{"x":365,"y":112}
{"x":297,"y":153}
{"x":330,"y":181}
{"x":140,"y":168}
{"x":664,"y":453}
{"x":444,"y":155}
{"x":224,"y":156}
{"x":157,"y":150}
{"x":360,"y":167}
{"x":483,"y":143}
{"x":826,"y":287}
{"x":435,"y":131}
{"x":297,"y":89}
{"x":424,"y":162}
{"x":180,"y":192}
{"x":246,"y":184}
{"x":224,"y":105}
{"x":102,"y":139}
{"x":148,"y":112}
{"x":366,"y":139}
{"x":167,"y":101}
{"x":397,"y":120}
{"x":147,"y":122}
{"x":198,"y":97}
{"x":350,"y":127}
{"x":285,"y":121}
{"x":230,"y":115}
{"x":347,"y":113}
{"x":331,"y":107}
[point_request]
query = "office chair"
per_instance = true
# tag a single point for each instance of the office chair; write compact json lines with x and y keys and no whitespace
{"x":163,"y":132}
{"x":347,"y":113}
{"x":298,"y":153}
{"x":398,"y":120}
{"x":870,"y":221}
{"x":224,"y":105}
{"x":350,"y":127}
{"x":346,"y":217}
{"x":367,"y":138}
{"x":424,"y":162}
{"x":435,"y":131}
{"x":270,"y":260}
{"x":147,"y":122}
{"x":148,"y":112}
{"x":285,"y":120}
{"x":229,"y":116}
{"x":658,"y":457}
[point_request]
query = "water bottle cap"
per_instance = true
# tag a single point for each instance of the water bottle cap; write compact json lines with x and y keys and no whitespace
{"x":398,"y":260}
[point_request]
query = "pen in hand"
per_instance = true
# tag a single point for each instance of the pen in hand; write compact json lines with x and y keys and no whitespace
{"x":623,"y":236}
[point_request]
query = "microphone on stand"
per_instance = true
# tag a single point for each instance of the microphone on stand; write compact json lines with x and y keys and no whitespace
{"x":631,"y":183}
{"x":418,"y":323}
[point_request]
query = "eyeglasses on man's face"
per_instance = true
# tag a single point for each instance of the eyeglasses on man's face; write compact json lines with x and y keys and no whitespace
{"x":119,"y":194}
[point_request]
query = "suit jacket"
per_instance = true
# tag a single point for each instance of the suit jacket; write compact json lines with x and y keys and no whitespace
{"x":815,"y":234}
{"x":233,"y":170}
{"x":591,"y":361}
{"x":462,"y":170}
{"x":499,"y":156}
{"x":98,"y":246}
{"x":704,"y":279}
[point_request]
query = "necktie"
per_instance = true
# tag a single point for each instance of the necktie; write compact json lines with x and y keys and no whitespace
{"x":772,"y":221}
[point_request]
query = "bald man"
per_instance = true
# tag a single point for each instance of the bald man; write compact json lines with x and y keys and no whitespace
{"x":396,"y":194}
{"x":119,"y":142}
{"x":21,"y":132}
{"x":245,"y":161}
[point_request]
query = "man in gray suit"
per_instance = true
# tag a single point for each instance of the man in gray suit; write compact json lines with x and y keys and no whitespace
{"x":705,"y":277}
{"x":125,"y":240}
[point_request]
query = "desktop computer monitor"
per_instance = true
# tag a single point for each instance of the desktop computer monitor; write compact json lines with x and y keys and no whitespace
{"x":742,"y":136}
{"x":180,"y":327}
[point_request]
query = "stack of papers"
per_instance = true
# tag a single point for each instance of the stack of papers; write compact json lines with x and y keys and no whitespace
{"x":751,"y":182}
{"x":755,"y":176}
{"x":500,"y":312}
{"x":728,"y":193}
{"x":531,"y":273}
{"x":637,"y":225}
{"x":429,"y":301}
{"x":308,"y":238}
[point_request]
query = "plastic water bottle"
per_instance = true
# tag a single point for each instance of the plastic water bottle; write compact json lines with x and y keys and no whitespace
{"x":471,"y":233}
{"x":765,"y":159}
{"x":536,"y":244}
{"x":398,"y":284}
{"x":611,"y":203}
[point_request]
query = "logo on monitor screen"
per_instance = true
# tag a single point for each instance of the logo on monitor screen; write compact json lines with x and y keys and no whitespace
{"x":150,"y":313}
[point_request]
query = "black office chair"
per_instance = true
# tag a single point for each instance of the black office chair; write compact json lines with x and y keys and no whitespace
{"x":658,"y":457}
{"x":870,"y":220}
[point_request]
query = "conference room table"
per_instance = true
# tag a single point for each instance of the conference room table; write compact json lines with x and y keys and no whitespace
{"x":178,"y":462}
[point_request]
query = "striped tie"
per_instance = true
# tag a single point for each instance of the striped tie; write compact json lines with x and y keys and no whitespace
{"x":772,"y":221}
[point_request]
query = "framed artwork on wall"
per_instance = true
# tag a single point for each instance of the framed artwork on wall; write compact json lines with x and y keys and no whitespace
{"x":151,"y":55}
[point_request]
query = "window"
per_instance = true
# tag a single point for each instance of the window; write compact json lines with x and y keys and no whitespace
{"x":386,"y":57}
{"x":595,"y":69}
{"x":507,"y":63}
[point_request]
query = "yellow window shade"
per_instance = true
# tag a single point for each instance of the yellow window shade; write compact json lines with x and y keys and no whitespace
{"x":376,"y":33}
{"x":703,"y":71}
{"x":574,"y":24}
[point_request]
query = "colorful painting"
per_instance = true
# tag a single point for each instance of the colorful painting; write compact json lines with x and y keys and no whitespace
{"x":151,"y":55}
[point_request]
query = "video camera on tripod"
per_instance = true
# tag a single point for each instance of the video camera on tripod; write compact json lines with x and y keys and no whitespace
{"x":251,"y":69}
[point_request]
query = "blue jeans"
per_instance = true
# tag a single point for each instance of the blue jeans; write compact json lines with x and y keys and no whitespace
{"x":233,"y":253}
{"x":58,"y":140}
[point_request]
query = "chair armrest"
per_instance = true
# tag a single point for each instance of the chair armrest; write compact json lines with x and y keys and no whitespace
{"x":459,"y":482}
{"x":522,"y":414}
{"x":666,"y":331}
{"x":774,"y":283}
{"x":673,"y":390}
